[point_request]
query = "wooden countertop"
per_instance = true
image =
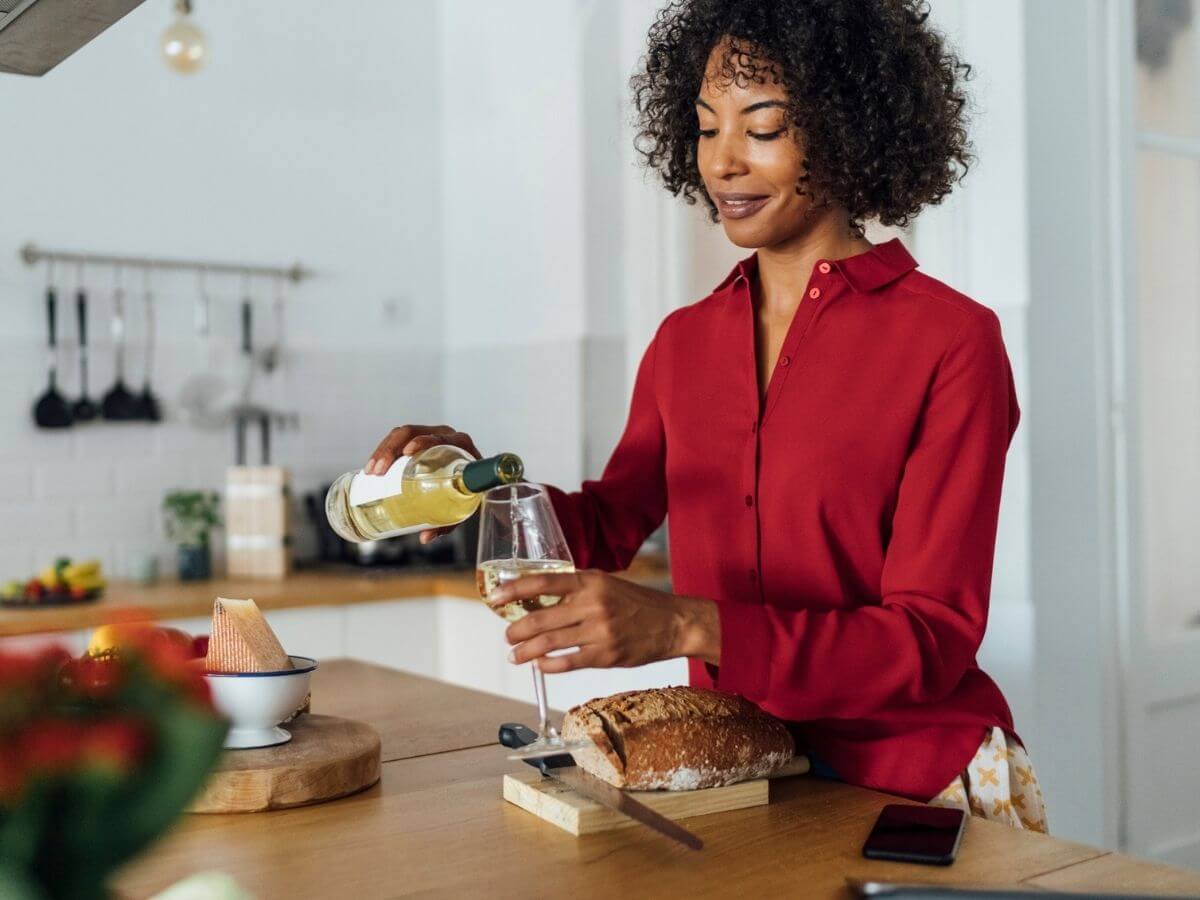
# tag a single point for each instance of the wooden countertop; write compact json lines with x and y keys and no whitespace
{"x":334,"y":586}
{"x":436,"y":824}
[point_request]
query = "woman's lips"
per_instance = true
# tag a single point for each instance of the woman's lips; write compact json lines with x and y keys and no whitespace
{"x":739,"y":206}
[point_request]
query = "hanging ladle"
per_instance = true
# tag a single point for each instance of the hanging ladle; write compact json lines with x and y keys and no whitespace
{"x":84,"y":409}
{"x":119,"y":404}
{"x":52,"y":409}
{"x":151,"y":410}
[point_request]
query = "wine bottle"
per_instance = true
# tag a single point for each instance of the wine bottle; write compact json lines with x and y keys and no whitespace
{"x":433,"y":489}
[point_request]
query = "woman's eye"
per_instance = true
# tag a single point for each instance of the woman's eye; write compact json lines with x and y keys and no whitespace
{"x":708,"y":132}
{"x":766,"y":136}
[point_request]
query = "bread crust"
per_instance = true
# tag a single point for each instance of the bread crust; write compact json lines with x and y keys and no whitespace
{"x":676,"y":738}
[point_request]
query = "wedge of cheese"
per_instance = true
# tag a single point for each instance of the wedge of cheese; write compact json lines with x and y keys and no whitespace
{"x":242,"y":641}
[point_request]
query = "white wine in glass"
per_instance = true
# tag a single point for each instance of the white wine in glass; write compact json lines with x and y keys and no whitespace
{"x":495,"y":572}
{"x":519,"y":535}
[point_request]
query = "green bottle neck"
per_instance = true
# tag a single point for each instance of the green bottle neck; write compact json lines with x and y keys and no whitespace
{"x":485,"y":474}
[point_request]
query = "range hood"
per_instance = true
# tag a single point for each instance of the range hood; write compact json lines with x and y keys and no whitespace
{"x":36,"y":35}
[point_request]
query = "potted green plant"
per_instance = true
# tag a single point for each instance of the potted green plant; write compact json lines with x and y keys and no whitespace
{"x":190,"y":517}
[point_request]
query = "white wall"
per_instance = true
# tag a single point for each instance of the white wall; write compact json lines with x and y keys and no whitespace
{"x":1075,"y":416}
{"x":309,"y":137}
{"x":539,"y":257}
{"x":977,"y":241}
{"x":513,"y":226}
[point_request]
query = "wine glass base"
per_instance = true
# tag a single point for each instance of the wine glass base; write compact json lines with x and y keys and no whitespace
{"x":543,"y":747}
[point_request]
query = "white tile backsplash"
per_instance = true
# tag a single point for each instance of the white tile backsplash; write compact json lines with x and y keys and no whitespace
{"x":16,"y":481}
{"x":117,"y":518}
{"x":76,"y":479}
{"x":97,"y":489}
{"x":401,"y":633}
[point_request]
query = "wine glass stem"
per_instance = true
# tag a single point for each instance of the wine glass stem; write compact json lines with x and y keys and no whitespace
{"x":545,"y":729}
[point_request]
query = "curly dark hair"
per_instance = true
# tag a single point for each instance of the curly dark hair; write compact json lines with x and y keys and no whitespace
{"x":873,"y":89}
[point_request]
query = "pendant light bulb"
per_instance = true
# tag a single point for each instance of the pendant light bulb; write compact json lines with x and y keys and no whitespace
{"x":183,"y":44}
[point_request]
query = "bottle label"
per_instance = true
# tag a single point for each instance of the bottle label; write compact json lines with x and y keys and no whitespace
{"x":366,"y":488}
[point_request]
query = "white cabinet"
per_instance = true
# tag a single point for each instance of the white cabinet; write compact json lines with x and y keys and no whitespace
{"x":402,"y":634}
{"x":475,"y":654}
{"x":316,"y":631}
{"x":73,"y":641}
{"x":456,"y":640}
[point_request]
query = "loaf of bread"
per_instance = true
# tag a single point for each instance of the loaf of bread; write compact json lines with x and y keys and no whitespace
{"x":676,"y":739}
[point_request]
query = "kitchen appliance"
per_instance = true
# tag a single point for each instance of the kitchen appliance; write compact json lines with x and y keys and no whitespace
{"x":36,"y":35}
{"x":453,"y":551}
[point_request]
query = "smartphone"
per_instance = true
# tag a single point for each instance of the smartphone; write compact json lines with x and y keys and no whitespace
{"x":918,"y":834}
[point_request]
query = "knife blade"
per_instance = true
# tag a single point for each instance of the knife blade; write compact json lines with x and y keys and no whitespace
{"x":562,"y":768}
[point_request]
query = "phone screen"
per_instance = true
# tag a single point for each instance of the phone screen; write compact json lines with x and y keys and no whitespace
{"x":925,"y":834}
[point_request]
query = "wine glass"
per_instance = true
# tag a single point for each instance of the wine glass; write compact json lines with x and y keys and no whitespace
{"x":519,"y":535}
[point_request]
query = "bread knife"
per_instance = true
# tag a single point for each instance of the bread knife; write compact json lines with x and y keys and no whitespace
{"x":562,"y":768}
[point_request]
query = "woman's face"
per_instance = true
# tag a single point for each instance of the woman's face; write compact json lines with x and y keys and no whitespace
{"x":750,"y":156}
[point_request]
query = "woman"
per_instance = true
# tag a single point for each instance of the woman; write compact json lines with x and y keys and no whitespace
{"x":827,"y":429}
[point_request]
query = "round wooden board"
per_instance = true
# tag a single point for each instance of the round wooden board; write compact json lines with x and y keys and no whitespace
{"x":326,"y":758}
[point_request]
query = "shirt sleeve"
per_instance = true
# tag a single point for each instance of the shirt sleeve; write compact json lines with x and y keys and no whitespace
{"x":606,"y":521}
{"x":915,"y":643}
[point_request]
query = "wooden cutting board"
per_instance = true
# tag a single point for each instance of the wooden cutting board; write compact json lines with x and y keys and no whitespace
{"x":327,"y":757}
{"x":559,"y":805}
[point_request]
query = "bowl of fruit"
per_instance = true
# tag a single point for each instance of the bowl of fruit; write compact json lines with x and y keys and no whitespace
{"x":62,"y":583}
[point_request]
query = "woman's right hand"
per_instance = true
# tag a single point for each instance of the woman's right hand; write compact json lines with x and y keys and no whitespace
{"x":409,"y":440}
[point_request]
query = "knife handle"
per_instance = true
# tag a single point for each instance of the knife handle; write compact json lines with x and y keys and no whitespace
{"x":515,"y":736}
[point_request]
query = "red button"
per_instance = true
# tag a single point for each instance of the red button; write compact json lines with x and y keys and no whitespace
{"x":824,"y":268}
{"x":814,"y":293}
{"x":749,"y":500}
{"x":783,"y":361}
{"x":753,"y":575}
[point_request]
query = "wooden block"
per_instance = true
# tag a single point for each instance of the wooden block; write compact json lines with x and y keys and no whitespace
{"x":256,"y":516}
{"x":265,"y":475}
{"x":559,"y":805}
{"x":256,"y":500}
{"x":257,"y":521}
{"x":327,"y":757}
{"x":253,"y":561}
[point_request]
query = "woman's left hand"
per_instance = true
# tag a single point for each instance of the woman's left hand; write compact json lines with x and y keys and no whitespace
{"x":613,"y":622}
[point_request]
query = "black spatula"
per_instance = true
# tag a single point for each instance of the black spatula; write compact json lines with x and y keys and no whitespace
{"x":52,"y":409}
{"x":84,"y":409}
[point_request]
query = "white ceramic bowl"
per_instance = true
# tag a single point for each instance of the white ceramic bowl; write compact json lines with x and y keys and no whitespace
{"x":256,"y":702}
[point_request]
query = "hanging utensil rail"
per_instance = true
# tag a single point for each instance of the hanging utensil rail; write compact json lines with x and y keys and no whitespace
{"x":32,"y":254}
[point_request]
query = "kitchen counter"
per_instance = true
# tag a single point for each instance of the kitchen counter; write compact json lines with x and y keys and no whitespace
{"x":333,"y":586}
{"x":436,"y":824}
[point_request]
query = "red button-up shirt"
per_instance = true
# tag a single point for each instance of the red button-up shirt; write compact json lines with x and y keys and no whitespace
{"x":845,"y":525}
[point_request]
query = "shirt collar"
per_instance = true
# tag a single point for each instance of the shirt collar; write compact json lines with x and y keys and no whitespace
{"x":865,"y":272}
